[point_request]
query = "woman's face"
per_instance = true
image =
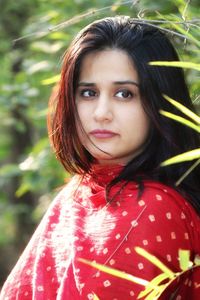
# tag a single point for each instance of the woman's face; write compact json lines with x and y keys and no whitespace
{"x":114,"y":124}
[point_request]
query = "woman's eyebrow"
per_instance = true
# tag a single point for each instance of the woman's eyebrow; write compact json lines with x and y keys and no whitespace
{"x":82,"y":83}
{"x":127,"y":82}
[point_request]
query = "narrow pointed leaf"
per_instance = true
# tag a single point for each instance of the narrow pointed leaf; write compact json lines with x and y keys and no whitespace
{"x":183,"y":109}
{"x":51,"y":80}
{"x":186,"y":156}
{"x":193,"y":166}
{"x":155,"y":281}
{"x":177,"y":64}
{"x":155,"y":261}
{"x":153,"y":296}
{"x":95,"y":297}
{"x":184,"y":259}
{"x":115,"y":272}
{"x":180,"y":120}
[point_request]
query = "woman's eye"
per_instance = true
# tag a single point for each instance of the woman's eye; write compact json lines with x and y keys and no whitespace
{"x":88,"y":93}
{"x":124,"y":94}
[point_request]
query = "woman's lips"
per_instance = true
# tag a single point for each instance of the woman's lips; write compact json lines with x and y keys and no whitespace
{"x":102,"y":134}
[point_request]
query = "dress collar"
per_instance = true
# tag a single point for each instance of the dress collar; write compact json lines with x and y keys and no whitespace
{"x":104,"y":174}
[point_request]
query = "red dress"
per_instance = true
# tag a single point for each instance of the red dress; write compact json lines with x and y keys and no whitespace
{"x":79,"y":224}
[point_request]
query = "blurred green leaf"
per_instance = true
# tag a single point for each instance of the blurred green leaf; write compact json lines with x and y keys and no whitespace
{"x":51,"y":80}
{"x":178,"y":64}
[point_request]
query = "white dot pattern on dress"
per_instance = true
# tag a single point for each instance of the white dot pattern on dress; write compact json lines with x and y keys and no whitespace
{"x":158,"y":197}
{"x":140,"y":266}
{"x":169,"y":258}
{"x":168,"y":215}
{"x":141,"y":203}
{"x":145,"y":242}
{"x":128,"y":250}
{"x":40,"y":288}
{"x":112,"y":262}
{"x":105,"y":250}
{"x":132,"y":293}
{"x":106,"y":283}
{"x":152,"y":218}
{"x":173,"y":235}
{"x":124,"y":213}
{"x":134,"y":223}
{"x":158,"y":238}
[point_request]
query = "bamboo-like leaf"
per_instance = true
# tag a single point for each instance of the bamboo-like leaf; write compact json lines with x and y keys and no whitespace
{"x":153,"y":296}
{"x":183,"y":109}
{"x":186,"y":156}
{"x":51,"y":80}
{"x":154,"y":260}
{"x":193,"y":166}
{"x":184,"y":259}
{"x":180,"y":120}
{"x":177,"y":64}
{"x":155,"y":281}
{"x":95,"y":297}
{"x":116,"y":273}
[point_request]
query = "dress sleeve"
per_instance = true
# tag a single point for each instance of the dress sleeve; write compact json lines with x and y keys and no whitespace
{"x":167,"y":225}
{"x":37,"y":268}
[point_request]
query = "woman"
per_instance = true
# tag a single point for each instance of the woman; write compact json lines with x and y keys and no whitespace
{"x":106,"y":128}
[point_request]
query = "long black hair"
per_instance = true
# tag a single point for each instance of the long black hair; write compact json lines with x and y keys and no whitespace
{"x":143,"y":44}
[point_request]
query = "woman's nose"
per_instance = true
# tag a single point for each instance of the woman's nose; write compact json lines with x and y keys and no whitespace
{"x":103,"y":109}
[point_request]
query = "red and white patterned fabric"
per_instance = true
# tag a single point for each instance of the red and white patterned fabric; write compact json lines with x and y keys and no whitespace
{"x":80,"y":224}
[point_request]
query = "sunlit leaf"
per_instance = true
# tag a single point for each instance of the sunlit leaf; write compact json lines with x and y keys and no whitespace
{"x":155,"y":281}
{"x":154,"y":260}
{"x":115,"y":272}
{"x":153,"y":296}
{"x":183,"y":109}
{"x":95,"y":297}
{"x":24,"y":188}
{"x":180,"y":120}
{"x":178,"y":64}
{"x":187,"y":156}
{"x":193,"y":166}
{"x":51,"y":80}
{"x":184,"y":259}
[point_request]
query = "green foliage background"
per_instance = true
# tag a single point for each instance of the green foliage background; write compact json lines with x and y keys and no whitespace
{"x":34,"y":34}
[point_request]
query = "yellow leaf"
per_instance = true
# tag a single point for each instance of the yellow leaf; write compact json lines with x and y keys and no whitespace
{"x":183,"y":109}
{"x":95,"y":297}
{"x":51,"y":80}
{"x":116,"y":273}
{"x":186,"y":156}
{"x":155,"y":281}
{"x":178,"y":64}
{"x":180,"y":120}
{"x":154,"y":260}
{"x":184,"y":259}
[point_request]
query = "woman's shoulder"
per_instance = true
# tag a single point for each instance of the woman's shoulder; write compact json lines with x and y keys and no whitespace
{"x":163,"y":199}
{"x":164,"y":194}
